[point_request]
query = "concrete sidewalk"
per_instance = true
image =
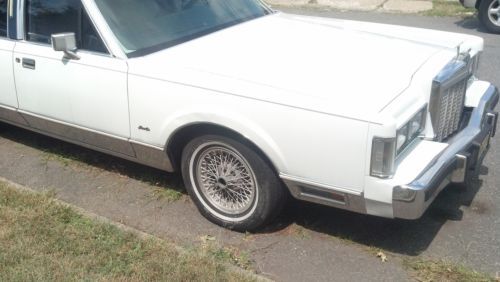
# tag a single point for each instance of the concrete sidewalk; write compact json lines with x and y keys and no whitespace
{"x":399,"y":6}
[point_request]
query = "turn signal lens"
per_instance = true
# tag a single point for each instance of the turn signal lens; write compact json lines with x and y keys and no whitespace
{"x":383,"y":157}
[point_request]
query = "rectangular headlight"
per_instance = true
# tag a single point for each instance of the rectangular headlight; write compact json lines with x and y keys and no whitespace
{"x":410,"y":131}
{"x":383,"y":157}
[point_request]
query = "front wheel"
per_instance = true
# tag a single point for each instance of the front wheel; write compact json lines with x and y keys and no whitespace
{"x":231,"y":184}
{"x":489,"y":14}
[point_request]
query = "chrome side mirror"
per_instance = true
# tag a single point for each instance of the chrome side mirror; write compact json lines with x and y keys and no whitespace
{"x":66,"y":42}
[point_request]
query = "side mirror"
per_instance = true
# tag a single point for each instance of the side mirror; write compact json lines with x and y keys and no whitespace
{"x":66,"y":42}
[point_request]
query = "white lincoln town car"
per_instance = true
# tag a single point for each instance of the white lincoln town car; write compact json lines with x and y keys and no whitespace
{"x":250,"y":104}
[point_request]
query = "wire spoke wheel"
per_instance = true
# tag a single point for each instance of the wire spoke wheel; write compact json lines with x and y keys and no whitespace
{"x":225,"y":179}
{"x":230,"y":183}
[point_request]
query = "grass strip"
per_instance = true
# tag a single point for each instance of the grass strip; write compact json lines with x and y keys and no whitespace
{"x":444,"y":8}
{"x":43,"y":240}
{"x":440,"y":270}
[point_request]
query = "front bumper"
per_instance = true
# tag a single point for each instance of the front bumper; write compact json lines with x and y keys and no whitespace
{"x":463,"y":155}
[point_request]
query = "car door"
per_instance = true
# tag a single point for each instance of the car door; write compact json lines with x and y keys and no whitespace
{"x":8,"y":91}
{"x":83,"y":99}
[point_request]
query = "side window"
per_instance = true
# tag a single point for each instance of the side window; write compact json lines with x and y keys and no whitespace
{"x":3,"y":18}
{"x":47,"y":17}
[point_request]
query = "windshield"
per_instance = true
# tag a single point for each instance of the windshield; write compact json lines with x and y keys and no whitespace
{"x":146,"y":26}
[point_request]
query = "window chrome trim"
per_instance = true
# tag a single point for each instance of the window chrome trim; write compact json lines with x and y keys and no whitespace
{"x":103,"y":29}
{"x":19,"y":20}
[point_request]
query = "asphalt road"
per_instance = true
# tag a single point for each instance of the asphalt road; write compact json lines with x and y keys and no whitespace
{"x":308,"y":242}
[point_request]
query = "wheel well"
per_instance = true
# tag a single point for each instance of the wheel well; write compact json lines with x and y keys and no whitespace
{"x":478,"y":4}
{"x":184,"y":135}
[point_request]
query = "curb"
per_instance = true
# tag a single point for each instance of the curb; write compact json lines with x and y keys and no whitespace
{"x":389,"y":6}
{"x":125,"y":228}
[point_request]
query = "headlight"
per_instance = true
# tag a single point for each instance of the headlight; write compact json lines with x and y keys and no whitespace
{"x":410,"y":131}
{"x":383,"y":157}
{"x":385,"y":150}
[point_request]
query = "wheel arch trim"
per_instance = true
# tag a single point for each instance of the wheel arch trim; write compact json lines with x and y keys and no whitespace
{"x":241,"y":126}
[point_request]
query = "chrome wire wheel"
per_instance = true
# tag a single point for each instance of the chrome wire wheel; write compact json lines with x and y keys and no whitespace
{"x":225,"y":180}
{"x":494,"y":12}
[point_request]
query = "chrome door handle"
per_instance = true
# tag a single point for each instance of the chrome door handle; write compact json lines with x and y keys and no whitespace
{"x":29,"y":63}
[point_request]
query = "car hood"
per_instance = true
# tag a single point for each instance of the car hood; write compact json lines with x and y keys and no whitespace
{"x":328,"y":65}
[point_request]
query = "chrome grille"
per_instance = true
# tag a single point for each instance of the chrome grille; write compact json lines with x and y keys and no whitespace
{"x":448,"y":98}
{"x":452,"y":104}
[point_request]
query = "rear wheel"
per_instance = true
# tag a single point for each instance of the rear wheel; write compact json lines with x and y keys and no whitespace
{"x":232,"y":185}
{"x":489,"y":14}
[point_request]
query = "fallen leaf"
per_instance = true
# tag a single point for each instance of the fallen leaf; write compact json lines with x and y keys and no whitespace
{"x":382,"y":256}
{"x":207,"y":238}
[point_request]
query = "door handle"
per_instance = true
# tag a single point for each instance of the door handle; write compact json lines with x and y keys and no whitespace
{"x":29,"y":63}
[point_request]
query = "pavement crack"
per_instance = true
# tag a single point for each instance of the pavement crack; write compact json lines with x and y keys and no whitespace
{"x":265,"y":248}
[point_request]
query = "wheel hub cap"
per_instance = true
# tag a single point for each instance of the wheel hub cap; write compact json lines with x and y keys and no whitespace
{"x":226,"y":180}
{"x":494,"y":12}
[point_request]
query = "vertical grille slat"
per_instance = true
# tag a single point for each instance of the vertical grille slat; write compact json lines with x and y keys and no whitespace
{"x":452,"y":104}
{"x":448,"y":99}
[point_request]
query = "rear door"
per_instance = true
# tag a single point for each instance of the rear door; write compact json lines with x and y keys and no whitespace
{"x":7,"y":87}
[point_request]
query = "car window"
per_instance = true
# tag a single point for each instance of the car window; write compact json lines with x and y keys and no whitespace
{"x":145,"y":26}
{"x":3,"y":18}
{"x":47,"y":17}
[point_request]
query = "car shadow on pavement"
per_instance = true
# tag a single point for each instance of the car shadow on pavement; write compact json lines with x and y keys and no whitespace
{"x":397,"y":236}
{"x":73,"y":154}
{"x":393,"y":235}
{"x":472,"y":23}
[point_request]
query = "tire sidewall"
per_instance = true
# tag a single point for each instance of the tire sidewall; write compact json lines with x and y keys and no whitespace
{"x":484,"y":16}
{"x":265,"y":177}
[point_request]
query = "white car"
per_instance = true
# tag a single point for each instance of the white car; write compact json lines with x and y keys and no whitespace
{"x":250,"y":104}
{"x":489,"y":12}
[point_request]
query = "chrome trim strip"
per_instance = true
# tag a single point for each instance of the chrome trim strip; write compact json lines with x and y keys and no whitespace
{"x":20,"y":20}
{"x":154,"y":157}
{"x":10,"y":114}
{"x":287,"y":177}
{"x":325,"y":195}
{"x":104,"y":141}
{"x":98,"y":141}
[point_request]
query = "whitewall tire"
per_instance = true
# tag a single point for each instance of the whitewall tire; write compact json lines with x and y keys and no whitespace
{"x":231,"y":184}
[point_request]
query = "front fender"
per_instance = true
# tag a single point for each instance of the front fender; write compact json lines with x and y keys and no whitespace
{"x":227,"y":119}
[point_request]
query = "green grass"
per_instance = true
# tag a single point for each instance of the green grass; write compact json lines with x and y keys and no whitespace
{"x":42,"y":240}
{"x":443,"y":8}
{"x":169,"y":195}
{"x":444,"y":271}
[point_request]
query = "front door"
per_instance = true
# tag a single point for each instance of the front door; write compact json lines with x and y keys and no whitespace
{"x":7,"y":88}
{"x":59,"y":94}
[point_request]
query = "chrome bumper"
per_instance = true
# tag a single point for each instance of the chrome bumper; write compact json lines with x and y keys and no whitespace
{"x":463,"y":155}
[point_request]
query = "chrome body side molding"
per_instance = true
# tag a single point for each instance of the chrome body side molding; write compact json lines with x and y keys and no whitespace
{"x":309,"y":191}
{"x":120,"y":147}
{"x":12,"y":116}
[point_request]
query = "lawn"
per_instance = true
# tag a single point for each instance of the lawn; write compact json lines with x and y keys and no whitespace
{"x":43,"y":240}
